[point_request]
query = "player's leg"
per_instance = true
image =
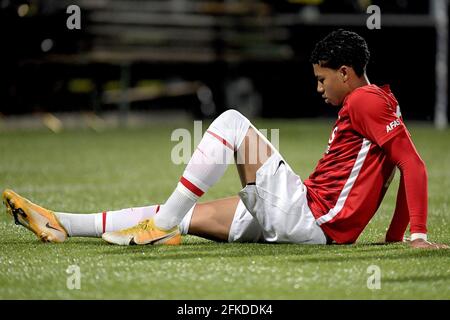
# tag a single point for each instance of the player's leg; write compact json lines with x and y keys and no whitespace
{"x":222,"y":141}
{"x":249,"y":156}
{"x":253,"y":152}
{"x":52,"y":226}
{"x":230,"y":135}
{"x":207,"y":165}
{"x":212,"y":220}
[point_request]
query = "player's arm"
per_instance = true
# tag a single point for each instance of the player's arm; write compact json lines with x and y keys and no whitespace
{"x":412,"y":197}
{"x":374,"y":118}
{"x":400,"y":220}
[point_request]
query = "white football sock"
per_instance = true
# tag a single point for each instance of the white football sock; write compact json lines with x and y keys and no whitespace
{"x":82,"y":225}
{"x":95,"y":224}
{"x":207,"y":165}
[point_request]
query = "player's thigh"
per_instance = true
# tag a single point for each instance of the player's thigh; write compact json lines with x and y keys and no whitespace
{"x":213,"y":219}
{"x":251,"y":155}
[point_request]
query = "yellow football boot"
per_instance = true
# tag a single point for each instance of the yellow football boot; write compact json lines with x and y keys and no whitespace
{"x":39,"y":220}
{"x":144,"y":233}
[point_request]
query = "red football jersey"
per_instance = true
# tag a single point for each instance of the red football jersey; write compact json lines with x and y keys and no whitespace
{"x":350,"y":181}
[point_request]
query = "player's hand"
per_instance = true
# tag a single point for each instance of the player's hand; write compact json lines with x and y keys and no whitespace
{"x":423,"y":244}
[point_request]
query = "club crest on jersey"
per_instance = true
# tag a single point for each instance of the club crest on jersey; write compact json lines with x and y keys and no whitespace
{"x":392,"y":125}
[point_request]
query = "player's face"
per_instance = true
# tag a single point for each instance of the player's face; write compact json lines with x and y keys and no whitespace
{"x":330,"y":84}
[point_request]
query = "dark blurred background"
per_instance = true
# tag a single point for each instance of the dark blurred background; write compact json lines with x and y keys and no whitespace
{"x":203,"y":56}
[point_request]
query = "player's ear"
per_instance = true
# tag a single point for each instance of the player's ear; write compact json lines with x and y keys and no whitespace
{"x":343,"y":72}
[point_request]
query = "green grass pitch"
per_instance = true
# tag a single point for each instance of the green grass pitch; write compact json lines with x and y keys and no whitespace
{"x":86,"y":171}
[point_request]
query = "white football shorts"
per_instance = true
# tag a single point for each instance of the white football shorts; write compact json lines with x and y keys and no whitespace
{"x":275,"y":208}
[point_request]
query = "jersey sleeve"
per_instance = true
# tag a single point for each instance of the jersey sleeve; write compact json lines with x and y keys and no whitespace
{"x":413,"y":191}
{"x":400,"y":219}
{"x":373,"y":117}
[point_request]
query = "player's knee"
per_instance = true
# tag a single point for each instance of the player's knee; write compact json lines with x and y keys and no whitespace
{"x":232,"y":126}
{"x":232,"y":116}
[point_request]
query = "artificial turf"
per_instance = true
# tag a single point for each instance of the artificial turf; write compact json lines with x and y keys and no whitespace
{"x":87,"y":171}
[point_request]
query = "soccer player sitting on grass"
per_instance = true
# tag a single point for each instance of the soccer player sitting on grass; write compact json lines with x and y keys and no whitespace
{"x":367,"y":143}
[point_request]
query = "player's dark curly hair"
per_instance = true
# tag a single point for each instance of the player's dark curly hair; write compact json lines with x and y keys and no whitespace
{"x":342,"y":47}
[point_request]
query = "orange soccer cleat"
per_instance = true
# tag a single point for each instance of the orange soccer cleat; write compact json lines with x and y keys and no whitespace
{"x":144,"y":233}
{"x":39,"y":220}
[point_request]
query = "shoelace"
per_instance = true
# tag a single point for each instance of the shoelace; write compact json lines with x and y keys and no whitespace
{"x":143,"y":225}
